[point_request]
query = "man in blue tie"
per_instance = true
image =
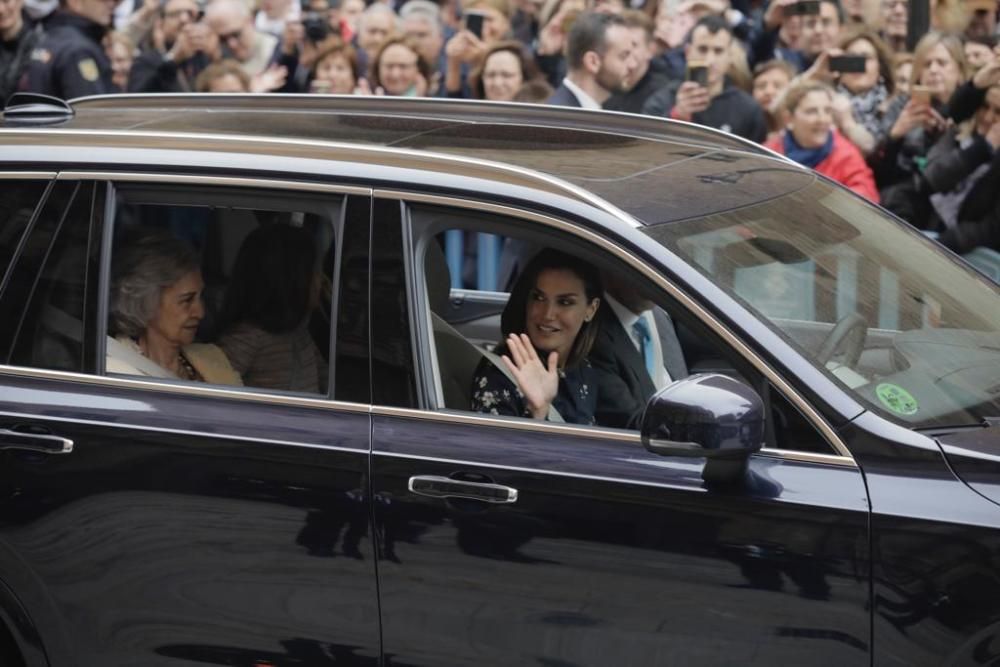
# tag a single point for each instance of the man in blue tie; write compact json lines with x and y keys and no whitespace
{"x":636,"y":353}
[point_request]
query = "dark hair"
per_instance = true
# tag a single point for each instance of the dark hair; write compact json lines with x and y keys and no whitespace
{"x":841,"y":16}
{"x":529,"y":70}
{"x":535,"y":91}
{"x":713,"y":24}
{"x":273,"y":280}
{"x":983,"y":40}
{"x":218,"y":70}
{"x":514,"y":317}
{"x":589,"y":33}
{"x":342,"y":49}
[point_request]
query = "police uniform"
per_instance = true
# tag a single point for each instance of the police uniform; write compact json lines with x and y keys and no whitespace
{"x":70,"y":61}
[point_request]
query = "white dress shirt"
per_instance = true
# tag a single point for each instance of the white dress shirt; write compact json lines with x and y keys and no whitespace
{"x":585,"y":100}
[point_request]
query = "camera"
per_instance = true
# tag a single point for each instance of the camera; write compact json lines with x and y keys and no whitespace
{"x":316,"y":25}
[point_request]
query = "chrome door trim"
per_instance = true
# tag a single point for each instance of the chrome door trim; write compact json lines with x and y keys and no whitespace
{"x":706,"y":318}
{"x":234,"y":181}
{"x":186,"y":388}
{"x":180,"y":431}
{"x":24,"y":175}
{"x":576,"y":430}
{"x":518,"y":424}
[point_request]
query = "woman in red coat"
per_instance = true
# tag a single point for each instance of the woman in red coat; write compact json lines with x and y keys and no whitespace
{"x":812,"y":140}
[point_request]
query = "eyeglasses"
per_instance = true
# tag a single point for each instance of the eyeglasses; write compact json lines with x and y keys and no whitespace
{"x":228,"y":36}
{"x":193,"y":14}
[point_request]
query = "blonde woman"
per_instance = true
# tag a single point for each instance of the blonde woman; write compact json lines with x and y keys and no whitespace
{"x":914,"y":122}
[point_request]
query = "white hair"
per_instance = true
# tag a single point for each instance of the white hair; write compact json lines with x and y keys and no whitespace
{"x":230,"y":7}
{"x":423,"y":9}
{"x":375,"y":8}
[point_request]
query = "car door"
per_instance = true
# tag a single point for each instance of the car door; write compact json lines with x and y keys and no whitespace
{"x":159,"y":522}
{"x":511,"y":541}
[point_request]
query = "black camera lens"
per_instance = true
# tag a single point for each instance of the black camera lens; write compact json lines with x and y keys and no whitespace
{"x":316,"y":26}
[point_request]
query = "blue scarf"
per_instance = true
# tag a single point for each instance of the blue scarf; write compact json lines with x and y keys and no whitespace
{"x":810,"y":157}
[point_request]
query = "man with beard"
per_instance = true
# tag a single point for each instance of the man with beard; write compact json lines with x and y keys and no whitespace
{"x":70,"y":60}
{"x":600,"y":61}
{"x":716,"y":102}
{"x":173,"y":66}
{"x":650,"y":75}
{"x":17,"y":39}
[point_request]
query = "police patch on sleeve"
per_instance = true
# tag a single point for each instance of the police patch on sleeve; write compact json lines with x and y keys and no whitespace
{"x":88,"y":69}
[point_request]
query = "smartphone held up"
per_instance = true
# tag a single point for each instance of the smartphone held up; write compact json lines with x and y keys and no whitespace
{"x":698,"y":73}
{"x":848,"y":64}
{"x":474,"y":22}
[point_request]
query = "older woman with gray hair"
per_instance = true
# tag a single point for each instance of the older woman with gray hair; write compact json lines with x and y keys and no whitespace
{"x":156,"y":307}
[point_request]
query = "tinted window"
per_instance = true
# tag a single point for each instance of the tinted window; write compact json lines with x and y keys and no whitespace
{"x":224,"y":286}
{"x":394,"y":379}
{"x":48,"y":288}
{"x":18,"y":201}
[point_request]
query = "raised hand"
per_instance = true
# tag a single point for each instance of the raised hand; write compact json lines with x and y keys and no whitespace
{"x":270,"y":79}
{"x":538,"y":383}
{"x":691,"y":98}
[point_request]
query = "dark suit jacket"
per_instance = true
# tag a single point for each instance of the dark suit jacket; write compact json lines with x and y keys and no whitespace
{"x":624,"y":385}
{"x":563,"y":97}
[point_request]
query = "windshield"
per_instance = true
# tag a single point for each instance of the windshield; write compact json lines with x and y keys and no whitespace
{"x":907,"y":330}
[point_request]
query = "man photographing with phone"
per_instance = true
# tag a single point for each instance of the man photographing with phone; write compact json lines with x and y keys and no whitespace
{"x":173,"y":64}
{"x":707,"y":97}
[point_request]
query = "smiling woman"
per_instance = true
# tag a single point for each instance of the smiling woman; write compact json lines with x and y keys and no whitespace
{"x":812,"y":140}
{"x":156,"y":307}
{"x":548,"y":331}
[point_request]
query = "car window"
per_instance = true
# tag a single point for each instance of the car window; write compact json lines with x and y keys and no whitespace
{"x":640,"y":340}
{"x":886,"y":313}
{"x":18,"y":201}
{"x":50,"y":294}
{"x":226,"y":286}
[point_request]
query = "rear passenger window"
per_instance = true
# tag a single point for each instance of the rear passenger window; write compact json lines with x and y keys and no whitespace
{"x":50,"y":297}
{"x":18,"y":202}
{"x":224,"y":286}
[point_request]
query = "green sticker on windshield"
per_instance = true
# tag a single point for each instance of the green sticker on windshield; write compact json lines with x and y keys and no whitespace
{"x":896,"y":399}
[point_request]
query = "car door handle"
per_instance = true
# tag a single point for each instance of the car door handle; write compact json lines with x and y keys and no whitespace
{"x":445,"y":487}
{"x":40,"y":443}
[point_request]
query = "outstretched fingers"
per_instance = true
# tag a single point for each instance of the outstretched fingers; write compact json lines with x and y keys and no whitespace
{"x":553,"y":362}
{"x":517,"y":352}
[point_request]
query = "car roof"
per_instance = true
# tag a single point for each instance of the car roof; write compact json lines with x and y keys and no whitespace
{"x":652,"y":169}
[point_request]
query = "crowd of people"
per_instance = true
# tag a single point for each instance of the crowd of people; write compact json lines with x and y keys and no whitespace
{"x":829,"y":84}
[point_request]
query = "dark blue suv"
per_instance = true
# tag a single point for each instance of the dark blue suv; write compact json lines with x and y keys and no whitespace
{"x":818,"y":483}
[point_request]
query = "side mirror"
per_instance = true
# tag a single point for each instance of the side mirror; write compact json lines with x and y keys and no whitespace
{"x":706,"y":415}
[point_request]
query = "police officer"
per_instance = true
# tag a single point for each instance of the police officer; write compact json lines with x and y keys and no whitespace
{"x":17,"y":41}
{"x":70,"y":60}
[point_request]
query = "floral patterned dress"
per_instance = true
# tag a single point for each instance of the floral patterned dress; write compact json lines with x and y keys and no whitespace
{"x":494,"y":393}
